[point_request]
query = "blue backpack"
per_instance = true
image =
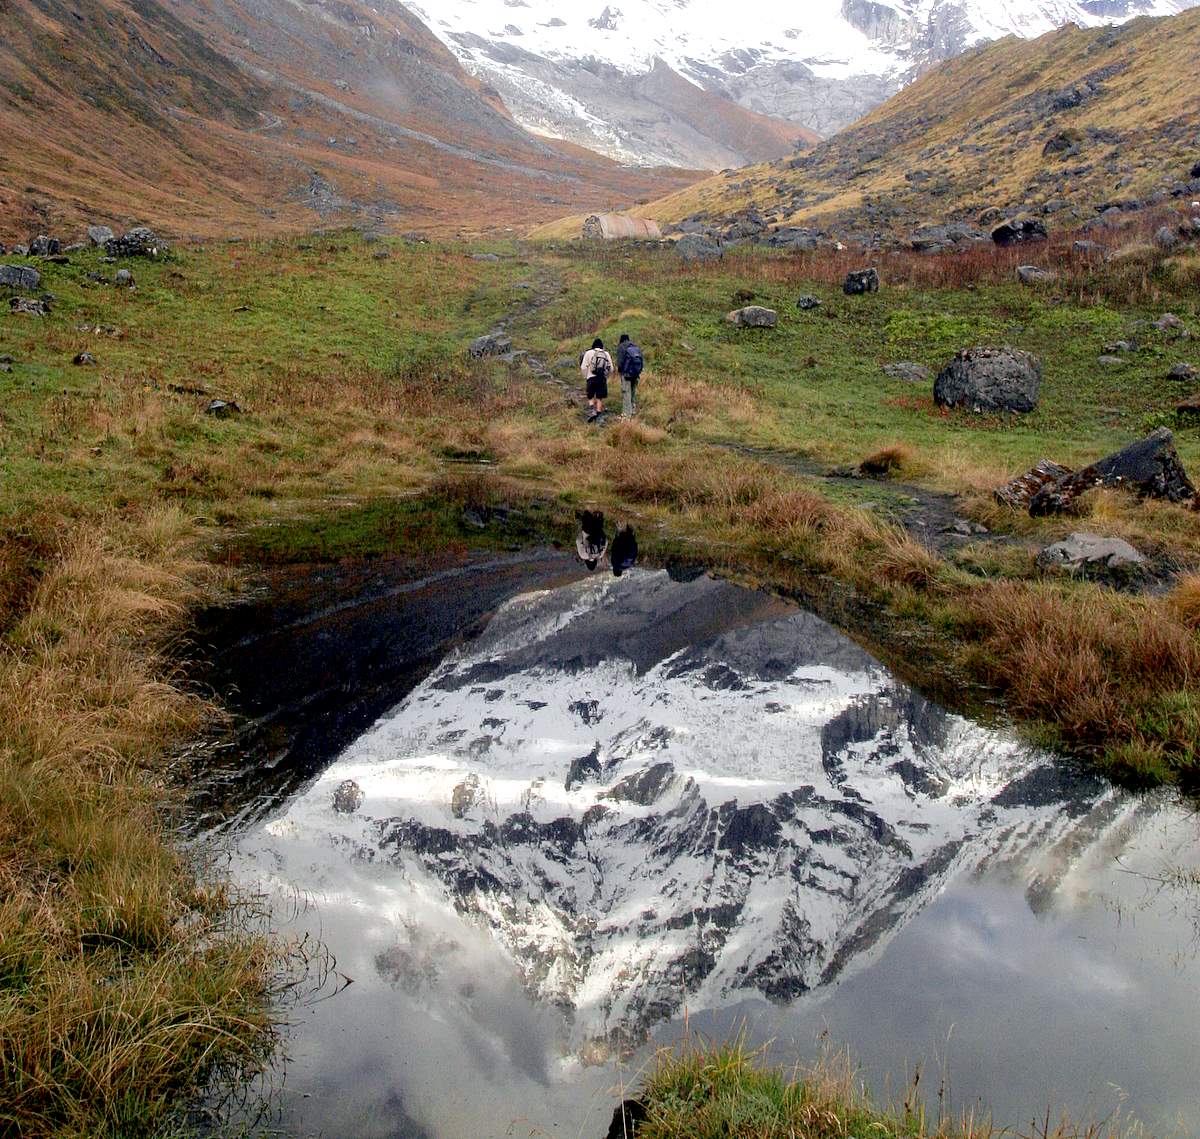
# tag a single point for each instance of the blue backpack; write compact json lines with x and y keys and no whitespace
{"x":633,"y":363}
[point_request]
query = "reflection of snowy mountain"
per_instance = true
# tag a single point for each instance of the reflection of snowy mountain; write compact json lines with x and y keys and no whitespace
{"x":652,"y":793}
{"x":575,"y":70}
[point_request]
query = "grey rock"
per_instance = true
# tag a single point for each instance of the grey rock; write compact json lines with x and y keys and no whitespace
{"x":74,"y":247}
{"x":19,"y":277}
{"x":1166,"y":238}
{"x":492,"y":343}
{"x":1183,"y":371}
{"x":940,"y":238}
{"x":792,"y":237}
{"x":27,"y":306}
{"x":100,"y":234}
{"x":695,"y":247}
{"x":1034,"y":275}
{"x":909,"y":372}
{"x":753,"y":316}
{"x":1110,"y":361}
{"x":1168,"y":322}
{"x":141,"y":241}
{"x":990,"y":379}
{"x":861,"y":281}
{"x":1149,"y":467}
{"x":1082,"y":552}
{"x":1119,"y":347}
{"x":221,"y":408}
{"x":20,"y":251}
{"x":84,"y":360}
{"x":1091,"y":250}
{"x":347,"y":797}
{"x":124,"y":278}
{"x":380,"y":255}
{"x":808,"y":303}
{"x":484,"y":257}
{"x":43,"y":246}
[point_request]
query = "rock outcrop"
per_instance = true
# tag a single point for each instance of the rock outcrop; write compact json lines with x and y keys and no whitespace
{"x":990,"y":379}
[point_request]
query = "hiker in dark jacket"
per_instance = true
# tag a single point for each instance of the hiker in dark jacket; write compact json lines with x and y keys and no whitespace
{"x":629,"y":364}
{"x":624,"y":550}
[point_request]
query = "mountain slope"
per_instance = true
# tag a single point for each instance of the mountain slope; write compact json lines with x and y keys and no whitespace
{"x":1058,"y":125}
{"x":212,"y":116}
{"x":656,"y":795}
{"x":821,"y":64}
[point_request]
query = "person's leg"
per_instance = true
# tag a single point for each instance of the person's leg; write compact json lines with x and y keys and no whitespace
{"x":626,"y":397}
{"x":633,"y":400}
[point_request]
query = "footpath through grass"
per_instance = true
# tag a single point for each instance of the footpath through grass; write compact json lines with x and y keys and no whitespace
{"x":126,"y":972}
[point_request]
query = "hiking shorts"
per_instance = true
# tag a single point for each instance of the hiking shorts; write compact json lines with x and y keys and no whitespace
{"x":597,"y":387}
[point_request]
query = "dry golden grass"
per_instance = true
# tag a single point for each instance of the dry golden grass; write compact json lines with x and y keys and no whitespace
{"x":896,"y":459}
{"x":1184,"y":601}
{"x":631,"y":433}
{"x":121,"y":975}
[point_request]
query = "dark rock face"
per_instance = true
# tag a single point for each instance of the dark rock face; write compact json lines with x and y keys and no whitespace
{"x":84,"y":360}
{"x":1151,"y":468}
{"x":19,"y":277}
{"x":626,"y":1118}
{"x":1184,"y":372}
{"x":807,"y":303}
{"x":860,"y":282}
{"x":141,"y":241}
{"x":753,"y":316}
{"x":222,"y":409}
{"x":27,"y":306}
{"x":990,"y":379}
{"x":1018,"y":230}
{"x":694,"y":247}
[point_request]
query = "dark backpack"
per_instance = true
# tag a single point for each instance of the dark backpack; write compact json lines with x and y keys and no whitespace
{"x":633,"y":363}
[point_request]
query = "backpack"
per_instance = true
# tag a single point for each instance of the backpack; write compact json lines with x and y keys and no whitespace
{"x":601,"y":364}
{"x":633,"y":362}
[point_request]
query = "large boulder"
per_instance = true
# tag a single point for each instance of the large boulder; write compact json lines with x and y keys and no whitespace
{"x":940,"y":238}
{"x":693,"y":247}
{"x":990,"y":379}
{"x":861,"y":281}
{"x":1018,"y":230}
{"x":1090,"y":555}
{"x":19,"y":277}
{"x":753,"y":316}
{"x":1150,"y":467}
{"x":100,"y":234}
{"x":141,"y":241}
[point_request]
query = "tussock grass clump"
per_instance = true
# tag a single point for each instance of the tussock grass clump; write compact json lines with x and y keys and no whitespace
{"x":1111,"y":674}
{"x":889,"y":462}
{"x":715,"y":1093}
{"x":1184,"y":601}
{"x":631,"y":433}
{"x":122,"y":977}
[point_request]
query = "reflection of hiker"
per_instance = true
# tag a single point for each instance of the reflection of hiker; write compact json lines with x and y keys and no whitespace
{"x":629,"y":364}
{"x":624,"y":550}
{"x":596,"y":366}
{"x":590,"y":542}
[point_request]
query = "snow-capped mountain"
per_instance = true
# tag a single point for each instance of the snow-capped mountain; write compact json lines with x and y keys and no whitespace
{"x":650,"y":794}
{"x":579,"y":70}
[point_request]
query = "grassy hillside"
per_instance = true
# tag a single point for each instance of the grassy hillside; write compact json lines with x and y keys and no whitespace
{"x":216,"y":118}
{"x":1063,"y":123}
{"x":124,"y":973}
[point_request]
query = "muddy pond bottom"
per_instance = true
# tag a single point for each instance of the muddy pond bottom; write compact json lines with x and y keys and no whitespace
{"x":627,"y":801}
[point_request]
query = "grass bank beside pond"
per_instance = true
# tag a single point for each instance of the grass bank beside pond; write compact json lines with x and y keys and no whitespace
{"x":727,"y":1092}
{"x":126,"y":971}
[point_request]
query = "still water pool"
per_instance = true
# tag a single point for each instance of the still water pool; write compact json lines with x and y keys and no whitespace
{"x":630,"y":803}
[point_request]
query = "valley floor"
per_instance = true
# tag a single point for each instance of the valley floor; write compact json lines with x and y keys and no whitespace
{"x":362,"y":426}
